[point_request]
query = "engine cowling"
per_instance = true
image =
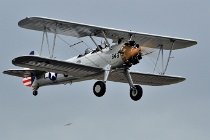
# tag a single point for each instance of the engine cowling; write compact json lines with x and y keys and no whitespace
{"x":130,"y":53}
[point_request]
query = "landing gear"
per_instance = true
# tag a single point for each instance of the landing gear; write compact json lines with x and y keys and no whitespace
{"x":99,"y":88}
{"x":35,"y":92}
{"x":136,"y":93}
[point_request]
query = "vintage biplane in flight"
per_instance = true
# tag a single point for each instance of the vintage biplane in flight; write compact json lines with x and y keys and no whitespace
{"x":105,"y":63}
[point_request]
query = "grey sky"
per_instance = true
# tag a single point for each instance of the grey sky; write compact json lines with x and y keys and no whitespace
{"x":172,"y":112}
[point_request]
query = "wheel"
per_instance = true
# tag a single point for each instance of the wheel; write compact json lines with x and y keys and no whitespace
{"x":35,"y":92}
{"x":136,"y":93}
{"x":99,"y":88}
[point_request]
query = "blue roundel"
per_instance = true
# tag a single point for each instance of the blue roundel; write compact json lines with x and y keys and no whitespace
{"x":52,"y":76}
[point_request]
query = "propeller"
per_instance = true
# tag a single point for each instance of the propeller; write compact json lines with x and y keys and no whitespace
{"x":147,"y":51}
{"x":132,"y":52}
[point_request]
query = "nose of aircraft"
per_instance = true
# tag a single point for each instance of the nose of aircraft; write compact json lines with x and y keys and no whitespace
{"x":129,"y":52}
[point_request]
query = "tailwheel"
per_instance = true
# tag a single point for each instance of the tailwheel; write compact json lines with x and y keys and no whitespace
{"x":35,"y":92}
{"x":99,"y":88}
{"x":136,"y":93}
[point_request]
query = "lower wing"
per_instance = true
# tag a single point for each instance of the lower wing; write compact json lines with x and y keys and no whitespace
{"x":144,"y":78}
{"x":57,"y":66}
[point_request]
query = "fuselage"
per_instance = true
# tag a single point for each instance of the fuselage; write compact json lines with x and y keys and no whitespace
{"x":114,"y":57}
{"x":100,"y":59}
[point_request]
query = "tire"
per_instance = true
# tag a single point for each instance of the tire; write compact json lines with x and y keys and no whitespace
{"x":99,"y":88}
{"x":35,"y":92}
{"x":136,"y":93}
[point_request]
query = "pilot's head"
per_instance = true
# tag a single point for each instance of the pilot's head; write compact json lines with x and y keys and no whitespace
{"x":88,"y":50}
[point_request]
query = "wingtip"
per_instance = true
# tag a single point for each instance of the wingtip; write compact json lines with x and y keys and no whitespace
{"x":195,"y":42}
{"x":4,"y":72}
{"x":13,"y":61}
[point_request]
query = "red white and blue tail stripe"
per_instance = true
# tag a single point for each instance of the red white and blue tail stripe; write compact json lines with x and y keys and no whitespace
{"x":28,"y":81}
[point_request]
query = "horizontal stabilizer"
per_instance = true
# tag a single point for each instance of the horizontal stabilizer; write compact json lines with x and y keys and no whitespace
{"x":23,"y":72}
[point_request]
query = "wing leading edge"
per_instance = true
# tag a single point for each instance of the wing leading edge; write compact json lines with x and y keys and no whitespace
{"x":81,"y":30}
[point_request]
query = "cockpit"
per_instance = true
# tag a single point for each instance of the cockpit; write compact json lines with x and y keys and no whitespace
{"x":89,"y":50}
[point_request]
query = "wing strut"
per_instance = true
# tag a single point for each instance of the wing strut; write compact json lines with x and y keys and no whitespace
{"x":162,"y":55}
{"x":55,"y":34}
{"x":45,"y":35}
{"x":42,"y":43}
{"x":169,"y":56}
{"x":162,"y":59}
{"x":48,"y":44}
{"x":160,"y":46}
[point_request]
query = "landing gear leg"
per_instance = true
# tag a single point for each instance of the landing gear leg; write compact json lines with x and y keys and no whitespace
{"x":136,"y":91}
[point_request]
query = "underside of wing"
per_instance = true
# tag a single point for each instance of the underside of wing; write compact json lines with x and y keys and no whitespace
{"x":81,"y":30}
{"x":57,"y":66}
{"x":23,"y":72}
{"x":145,"y":78}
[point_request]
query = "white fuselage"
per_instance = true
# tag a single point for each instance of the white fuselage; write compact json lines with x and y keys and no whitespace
{"x":101,"y":59}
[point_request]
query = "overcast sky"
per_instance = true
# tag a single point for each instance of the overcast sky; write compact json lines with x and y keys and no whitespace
{"x":175,"y":112}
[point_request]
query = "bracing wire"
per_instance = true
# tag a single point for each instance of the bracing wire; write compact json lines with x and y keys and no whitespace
{"x":154,"y":63}
{"x":72,"y":46}
{"x":157,"y":60}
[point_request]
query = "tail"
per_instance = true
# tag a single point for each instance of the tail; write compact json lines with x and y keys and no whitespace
{"x":28,"y":81}
{"x":34,"y":53}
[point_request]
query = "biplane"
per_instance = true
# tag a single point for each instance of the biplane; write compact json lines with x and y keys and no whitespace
{"x":108,"y":62}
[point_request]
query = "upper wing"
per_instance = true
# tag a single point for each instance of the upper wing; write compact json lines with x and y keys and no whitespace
{"x":81,"y":30}
{"x":144,"y":78}
{"x":22,"y":72}
{"x":57,"y":66}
